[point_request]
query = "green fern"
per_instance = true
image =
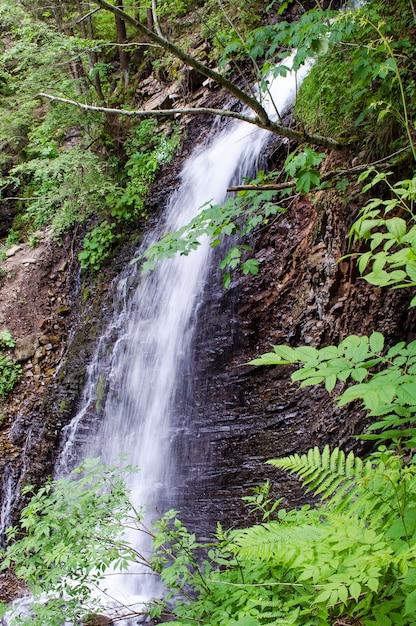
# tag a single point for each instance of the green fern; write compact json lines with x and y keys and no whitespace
{"x":376,"y":488}
{"x":332,"y":475}
{"x":265,"y":540}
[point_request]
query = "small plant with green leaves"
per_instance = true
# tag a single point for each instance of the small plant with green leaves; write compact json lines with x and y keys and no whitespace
{"x":261,"y":502}
{"x":10,"y":375}
{"x":391,"y":238}
{"x":148,"y":150}
{"x":98,"y":245}
{"x":302,"y":166}
{"x":6,"y":340}
{"x":10,"y":372}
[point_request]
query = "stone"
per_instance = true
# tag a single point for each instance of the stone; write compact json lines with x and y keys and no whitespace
{"x":63,"y":310}
{"x":191,"y":80}
{"x":161,"y":101}
{"x":12,"y":251}
{"x":26,"y":347}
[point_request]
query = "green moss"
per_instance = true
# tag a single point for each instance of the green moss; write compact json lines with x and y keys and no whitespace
{"x":85,"y":293}
{"x":100,"y":392}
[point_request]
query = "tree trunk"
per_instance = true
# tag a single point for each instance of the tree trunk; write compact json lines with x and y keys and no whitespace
{"x":121,"y":39}
{"x":88,"y":33}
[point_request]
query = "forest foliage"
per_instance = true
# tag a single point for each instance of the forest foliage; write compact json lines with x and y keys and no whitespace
{"x":351,"y":557}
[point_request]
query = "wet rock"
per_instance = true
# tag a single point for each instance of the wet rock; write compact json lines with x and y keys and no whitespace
{"x":161,"y":101}
{"x":8,"y":210}
{"x":26,"y":347}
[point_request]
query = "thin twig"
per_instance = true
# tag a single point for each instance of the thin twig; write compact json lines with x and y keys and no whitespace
{"x":413,"y":10}
{"x":85,"y":17}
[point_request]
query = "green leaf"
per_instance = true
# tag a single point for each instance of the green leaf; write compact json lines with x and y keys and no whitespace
{"x":320,"y":46}
{"x":314,"y":380}
{"x":323,"y":597}
{"x":407,"y":391}
{"x":269,"y":358}
{"x":288,"y":354}
{"x":381,"y":278}
{"x":355,"y":590}
{"x":245,"y":621}
{"x":359,"y":374}
{"x":330,"y":382}
{"x":307,"y":352}
{"x":397,"y":227}
{"x":410,"y":603}
{"x":376,"y":342}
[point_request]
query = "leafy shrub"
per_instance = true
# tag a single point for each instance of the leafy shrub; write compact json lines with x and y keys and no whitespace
{"x":10,"y":374}
{"x":392,"y":239}
{"x":69,"y":536}
{"x":66,"y":188}
{"x":98,"y":245}
{"x":147,"y":150}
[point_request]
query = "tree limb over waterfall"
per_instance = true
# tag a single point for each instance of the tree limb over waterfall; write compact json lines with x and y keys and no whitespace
{"x":277,"y":129}
{"x":261,"y":119}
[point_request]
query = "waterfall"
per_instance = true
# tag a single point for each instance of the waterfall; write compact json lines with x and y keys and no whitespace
{"x":135,"y":379}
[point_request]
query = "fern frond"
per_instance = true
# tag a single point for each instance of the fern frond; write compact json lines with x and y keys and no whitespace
{"x":265,"y":540}
{"x":332,"y":475}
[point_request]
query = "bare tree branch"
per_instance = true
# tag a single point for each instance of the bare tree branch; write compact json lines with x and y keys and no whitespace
{"x":153,"y":112}
{"x":189,"y":60}
{"x":273,"y":127}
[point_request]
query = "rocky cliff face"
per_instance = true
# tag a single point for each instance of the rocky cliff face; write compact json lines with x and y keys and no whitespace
{"x":303,"y":295}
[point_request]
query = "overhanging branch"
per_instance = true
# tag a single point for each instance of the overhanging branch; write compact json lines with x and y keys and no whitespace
{"x":153,"y":112}
{"x":277,"y":129}
{"x":167,"y":45}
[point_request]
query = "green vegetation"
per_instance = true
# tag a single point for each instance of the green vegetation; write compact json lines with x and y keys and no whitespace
{"x":352,"y":556}
{"x":71,"y":528}
{"x":392,"y":239}
{"x":6,"y":340}
{"x":62,"y":167}
{"x":361,"y":87}
{"x":10,"y":372}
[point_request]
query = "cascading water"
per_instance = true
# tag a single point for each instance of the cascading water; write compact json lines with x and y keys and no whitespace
{"x":133,"y":389}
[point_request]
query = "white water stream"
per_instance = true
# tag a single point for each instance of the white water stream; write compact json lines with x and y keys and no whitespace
{"x":133,"y":386}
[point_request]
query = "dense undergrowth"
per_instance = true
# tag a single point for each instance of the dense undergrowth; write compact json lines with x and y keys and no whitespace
{"x":63,"y":167}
